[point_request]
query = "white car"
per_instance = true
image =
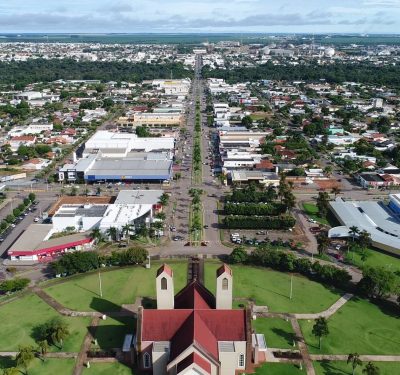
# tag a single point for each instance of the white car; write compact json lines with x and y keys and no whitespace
{"x":36,"y":219}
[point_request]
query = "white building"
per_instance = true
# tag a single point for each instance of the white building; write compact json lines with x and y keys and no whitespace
{"x":132,"y":207}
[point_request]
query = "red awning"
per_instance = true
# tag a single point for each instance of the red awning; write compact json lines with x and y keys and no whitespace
{"x":51,"y":250}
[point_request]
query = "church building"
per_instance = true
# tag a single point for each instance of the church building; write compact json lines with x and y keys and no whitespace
{"x":194,"y":332}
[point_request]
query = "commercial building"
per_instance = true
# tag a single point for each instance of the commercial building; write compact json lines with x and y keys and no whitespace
{"x":35,"y":245}
{"x":122,"y":157}
{"x":131,"y":207}
{"x":139,"y":167}
{"x":381,"y":221}
{"x":120,"y":144}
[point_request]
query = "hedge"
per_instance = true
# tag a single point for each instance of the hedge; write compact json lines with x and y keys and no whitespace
{"x":259,"y":222}
{"x":260,"y":209}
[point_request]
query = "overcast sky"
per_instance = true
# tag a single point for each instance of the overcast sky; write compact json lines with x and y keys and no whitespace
{"x":130,"y":16}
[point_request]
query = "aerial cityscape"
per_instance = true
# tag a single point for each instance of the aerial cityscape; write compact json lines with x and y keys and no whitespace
{"x":200,"y":188}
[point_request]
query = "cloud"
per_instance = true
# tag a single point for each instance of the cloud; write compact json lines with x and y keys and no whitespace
{"x":123,"y":17}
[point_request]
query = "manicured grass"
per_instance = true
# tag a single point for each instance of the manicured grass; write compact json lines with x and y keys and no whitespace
{"x":272,"y":288}
{"x":110,"y":333}
{"x":342,"y":368}
{"x":278,"y":332}
{"x":18,"y":318}
{"x":120,"y":286}
{"x":359,"y":326}
{"x":375,"y":258}
{"x":114,"y":368}
{"x":312,"y":211}
{"x":279,"y":369}
{"x":50,"y":366}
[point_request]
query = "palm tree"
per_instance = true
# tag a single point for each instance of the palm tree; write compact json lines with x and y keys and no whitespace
{"x":323,"y":242}
{"x":336,"y":190}
{"x":161,"y":215}
{"x":320,"y":329}
{"x":371,"y":369}
{"x":96,"y":235}
{"x":59,"y":333}
{"x":25,"y":356}
{"x":126,"y":231}
{"x":43,"y":347}
{"x":353,"y":230}
{"x":164,"y":199}
{"x":112,"y":233}
{"x":364,"y":239}
{"x":354,"y":359}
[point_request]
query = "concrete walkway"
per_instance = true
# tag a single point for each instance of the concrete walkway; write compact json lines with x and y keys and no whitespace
{"x":61,"y":309}
{"x":329,"y":312}
{"x":302,"y":347}
{"x":87,"y":341}
{"x":325,"y":314}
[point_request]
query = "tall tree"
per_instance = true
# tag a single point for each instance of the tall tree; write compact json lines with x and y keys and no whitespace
{"x":323,"y":242}
{"x":354,"y":359}
{"x":353,"y":231}
{"x":43,"y":347}
{"x":96,"y":234}
{"x":60,"y":332}
{"x":112,"y":233}
{"x":25,"y":356}
{"x":320,"y":329}
{"x":371,"y":369}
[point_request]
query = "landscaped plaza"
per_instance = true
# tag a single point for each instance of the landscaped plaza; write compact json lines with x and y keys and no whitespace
{"x":355,"y":325}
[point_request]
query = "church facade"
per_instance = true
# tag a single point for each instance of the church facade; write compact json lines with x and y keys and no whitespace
{"x":194,"y":332}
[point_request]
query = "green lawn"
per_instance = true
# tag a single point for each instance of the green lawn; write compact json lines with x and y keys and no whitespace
{"x":120,"y":286}
{"x":114,"y":368}
{"x":375,"y":258}
{"x":18,"y":318}
{"x":359,"y":326}
{"x":48,"y":367}
{"x":272,"y":288}
{"x":342,"y":368}
{"x":278,"y":332}
{"x":279,"y":369}
{"x":110,"y":333}
{"x":312,"y":211}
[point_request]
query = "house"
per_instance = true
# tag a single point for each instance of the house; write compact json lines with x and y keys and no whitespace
{"x":36,"y":164}
{"x":194,"y":332}
{"x":26,"y":140}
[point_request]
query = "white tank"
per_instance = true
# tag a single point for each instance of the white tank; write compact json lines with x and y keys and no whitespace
{"x":329,"y":52}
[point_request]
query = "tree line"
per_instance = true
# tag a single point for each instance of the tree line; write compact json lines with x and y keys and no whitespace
{"x":79,"y":262}
{"x":362,"y":72}
{"x":40,"y":70}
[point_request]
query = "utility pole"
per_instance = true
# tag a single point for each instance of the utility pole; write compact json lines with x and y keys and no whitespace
{"x":101,"y":289}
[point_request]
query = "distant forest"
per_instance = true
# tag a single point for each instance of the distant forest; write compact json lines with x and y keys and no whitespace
{"x":40,"y":70}
{"x":335,"y":73}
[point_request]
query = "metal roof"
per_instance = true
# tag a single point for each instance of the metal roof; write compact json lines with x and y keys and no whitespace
{"x":373,"y":217}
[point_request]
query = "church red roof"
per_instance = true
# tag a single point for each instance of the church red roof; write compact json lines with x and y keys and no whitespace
{"x":224,"y":269}
{"x":194,"y":296}
{"x":165,"y":268}
{"x":194,"y":321}
{"x":194,"y":358}
{"x":183,"y":327}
